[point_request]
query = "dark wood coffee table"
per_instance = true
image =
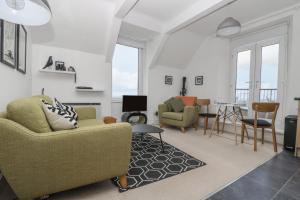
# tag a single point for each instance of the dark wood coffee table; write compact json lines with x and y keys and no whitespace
{"x":145,"y":128}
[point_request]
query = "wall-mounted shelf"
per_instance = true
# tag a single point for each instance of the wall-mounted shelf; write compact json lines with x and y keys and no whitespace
{"x":89,"y":90}
{"x":56,"y":71}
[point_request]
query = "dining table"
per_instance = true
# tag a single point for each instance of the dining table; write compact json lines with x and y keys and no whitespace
{"x":228,"y":112}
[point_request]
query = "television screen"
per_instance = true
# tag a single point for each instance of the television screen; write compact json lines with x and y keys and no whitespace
{"x":134,"y":103}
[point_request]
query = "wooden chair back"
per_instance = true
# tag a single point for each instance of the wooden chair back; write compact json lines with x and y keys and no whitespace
{"x":204,"y":102}
{"x":266,"y":108}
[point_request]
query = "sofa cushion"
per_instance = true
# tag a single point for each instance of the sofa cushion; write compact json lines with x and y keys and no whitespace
{"x":89,"y":122}
{"x":29,"y":113}
{"x":177,"y":105}
{"x":58,"y":118}
{"x":173,"y":115}
{"x":188,"y":101}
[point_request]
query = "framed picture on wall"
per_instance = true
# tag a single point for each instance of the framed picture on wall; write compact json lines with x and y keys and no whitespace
{"x":199,"y":80}
{"x":9,"y":44}
{"x":168,"y":80}
{"x":22,"y":49}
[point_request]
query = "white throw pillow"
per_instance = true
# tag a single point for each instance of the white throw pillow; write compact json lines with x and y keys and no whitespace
{"x":69,"y":109}
{"x":58,"y":118}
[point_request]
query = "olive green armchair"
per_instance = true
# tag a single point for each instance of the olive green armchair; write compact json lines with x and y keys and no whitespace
{"x":41,"y":162}
{"x":183,"y":120}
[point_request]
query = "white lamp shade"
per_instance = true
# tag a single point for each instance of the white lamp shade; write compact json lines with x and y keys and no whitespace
{"x":25,"y":12}
{"x":229,"y":27}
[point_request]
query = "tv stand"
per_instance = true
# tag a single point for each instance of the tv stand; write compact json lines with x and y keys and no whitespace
{"x":135,"y":118}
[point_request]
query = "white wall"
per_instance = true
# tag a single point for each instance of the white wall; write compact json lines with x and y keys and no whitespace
{"x":91,"y":71}
{"x":14,"y":84}
{"x":293,"y":80}
{"x":158,"y":91}
{"x":211,"y":61}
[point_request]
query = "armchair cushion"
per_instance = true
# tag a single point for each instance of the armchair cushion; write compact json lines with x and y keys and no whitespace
{"x":168,"y":103}
{"x":188,"y":101}
{"x":29,"y":113}
{"x":173,"y":115}
{"x":177,"y":105}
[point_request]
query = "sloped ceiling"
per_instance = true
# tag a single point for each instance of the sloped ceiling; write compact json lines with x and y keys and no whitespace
{"x":179,"y":49}
{"x":77,"y":24}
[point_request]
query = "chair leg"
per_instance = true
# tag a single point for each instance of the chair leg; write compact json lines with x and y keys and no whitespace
{"x":246,"y":130}
{"x":123,"y":181}
{"x":263,"y":136}
{"x":182,"y":129}
{"x":218,"y":124}
{"x":255,"y":138}
{"x":274,"y":139}
{"x":205,"y":125}
{"x":243,"y":133}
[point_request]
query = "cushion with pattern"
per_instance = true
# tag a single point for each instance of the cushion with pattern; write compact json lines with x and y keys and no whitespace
{"x":69,"y":109}
{"x":58,"y":118}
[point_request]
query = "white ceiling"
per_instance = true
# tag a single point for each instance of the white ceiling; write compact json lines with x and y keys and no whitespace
{"x":179,"y":49}
{"x":242,"y":10}
{"x":77,"y":24}
{"x":137,"y":33}
{"x":163,"y":10}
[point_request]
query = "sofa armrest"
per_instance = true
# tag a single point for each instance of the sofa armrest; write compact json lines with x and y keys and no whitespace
{"x":86,"y":112}
{"x":161,"y":109}
{"x":189,"y":115}
{"x":61,"y":160}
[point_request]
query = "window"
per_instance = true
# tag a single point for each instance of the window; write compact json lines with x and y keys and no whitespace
{"x":125,"y":71}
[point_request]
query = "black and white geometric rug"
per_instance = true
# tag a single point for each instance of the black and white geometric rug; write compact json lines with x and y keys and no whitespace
{"x":149,"y":164}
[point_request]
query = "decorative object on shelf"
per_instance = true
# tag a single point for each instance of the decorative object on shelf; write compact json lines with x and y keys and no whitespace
{"x":168,"y":80}
{"x":183,"y":90}
{"x":25,"y":12}
{"x":199,"y":80}
{"x":60,"y":66}
{"x":229,"y":27}
{"x":22,"y":49}
{"x":49,"y":63}
{"x":9,"y":44}
{"x":72,"y":69}
{"x":84,"y":87}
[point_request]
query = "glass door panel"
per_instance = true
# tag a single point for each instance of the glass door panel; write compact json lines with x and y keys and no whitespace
{"x":243,"y":73}
{"x":269,"y":73}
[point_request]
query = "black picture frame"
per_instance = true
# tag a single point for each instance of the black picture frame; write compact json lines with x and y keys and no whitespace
{"x":22,"y":49}
{"x":199,"y":80}
{"x":9,"y":36}
{"x":168,"y":80}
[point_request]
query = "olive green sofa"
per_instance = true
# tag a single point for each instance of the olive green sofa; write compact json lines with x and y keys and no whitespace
{"x":37,"y":161}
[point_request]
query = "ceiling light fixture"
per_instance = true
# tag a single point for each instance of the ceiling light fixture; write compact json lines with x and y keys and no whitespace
{"x":229,"y":27}
{"x":25,"y":12}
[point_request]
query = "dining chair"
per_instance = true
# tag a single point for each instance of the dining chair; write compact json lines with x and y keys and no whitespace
{"x":206,"y":115}
{"x":262,"y":123}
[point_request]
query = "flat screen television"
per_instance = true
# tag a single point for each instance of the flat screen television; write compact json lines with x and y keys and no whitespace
{"x":134,"y":103}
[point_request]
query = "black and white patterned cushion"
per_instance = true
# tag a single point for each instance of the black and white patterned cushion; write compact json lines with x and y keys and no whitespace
{"x":58,"y":118}
{"x":69,"y":109}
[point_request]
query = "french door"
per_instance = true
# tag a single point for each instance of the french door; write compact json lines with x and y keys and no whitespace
{"x":259,"y":74}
